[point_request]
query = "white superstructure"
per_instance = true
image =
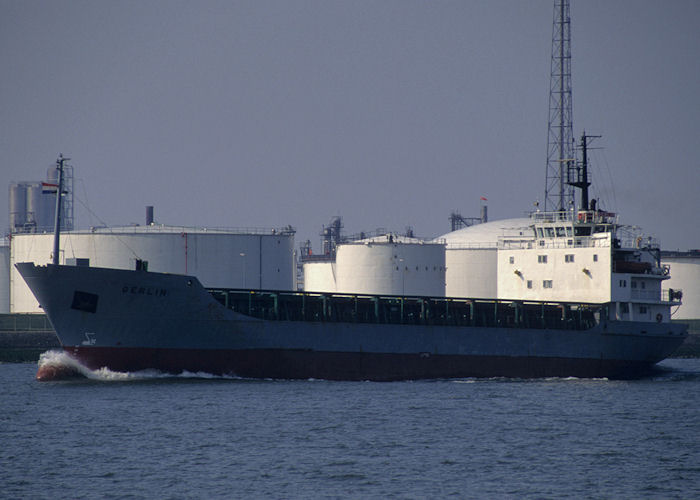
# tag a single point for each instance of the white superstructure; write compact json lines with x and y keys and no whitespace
{"x":585,"y":256}
{"x":218,"y":257}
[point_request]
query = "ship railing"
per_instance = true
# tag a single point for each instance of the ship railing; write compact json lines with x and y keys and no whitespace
{"x":552,"y":216}
{"x":564,"y":242}
{"x":582,"y":216}
{"x":413,"y":310}
{"x":633,"y":237}
{"x":673,"y":296}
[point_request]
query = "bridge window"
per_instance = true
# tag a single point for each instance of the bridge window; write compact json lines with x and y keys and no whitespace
{"x":542,"y":259}
{"x":569,"y":258}
{"x":547,"y":284}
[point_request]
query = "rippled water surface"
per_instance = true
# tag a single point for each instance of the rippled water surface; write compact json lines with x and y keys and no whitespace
{"x":148,"y":435}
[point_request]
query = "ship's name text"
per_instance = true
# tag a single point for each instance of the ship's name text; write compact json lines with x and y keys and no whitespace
{"x":145,"y":290}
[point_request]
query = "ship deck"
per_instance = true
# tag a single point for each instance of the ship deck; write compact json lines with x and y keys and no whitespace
{"x":347,"y":308}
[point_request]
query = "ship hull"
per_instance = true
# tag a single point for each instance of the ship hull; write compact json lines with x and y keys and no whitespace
{"x":134,"y":320}
{"x":308,"y":364}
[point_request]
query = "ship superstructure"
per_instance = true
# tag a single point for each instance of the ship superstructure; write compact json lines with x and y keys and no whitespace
{"x":586,"y":255}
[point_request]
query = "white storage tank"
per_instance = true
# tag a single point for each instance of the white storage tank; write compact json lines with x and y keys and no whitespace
{"x":685,"y":275}
{"x":472,"y":257}
{"x":4,"y":276}
{"x":35,"y":211}
{"x":319,"y":276}
{"x":391,"y":265}
{"x":18,"y":206}
{"x":262,"y":259}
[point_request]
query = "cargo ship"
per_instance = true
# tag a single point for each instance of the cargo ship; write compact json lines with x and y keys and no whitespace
{"x":575,"y":294}
{"x":128,"y":320}
{"x":131,"y":320}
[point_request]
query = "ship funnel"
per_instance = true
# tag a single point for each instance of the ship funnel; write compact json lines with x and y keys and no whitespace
{"x":149,"y":215}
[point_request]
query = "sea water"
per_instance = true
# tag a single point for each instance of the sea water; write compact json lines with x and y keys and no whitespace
{"x":150,"y":435}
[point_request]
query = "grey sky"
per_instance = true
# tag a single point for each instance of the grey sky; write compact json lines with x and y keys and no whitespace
{"x":389,"y":113}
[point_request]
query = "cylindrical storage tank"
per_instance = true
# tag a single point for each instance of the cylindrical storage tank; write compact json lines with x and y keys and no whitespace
{"x":47,"y":219}
{"x":33,"y":203}
{"x":218,"y":258}
{"x":41,"y":208}
{"x":319,"y":276}
{"x":18,"y":206}
{"x":685,"y":276}
{"x":52,"y":175}
{"x":4,"y":278}
{"x":391,"y":267}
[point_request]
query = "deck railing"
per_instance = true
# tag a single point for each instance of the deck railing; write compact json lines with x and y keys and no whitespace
{"x":342,"y":308}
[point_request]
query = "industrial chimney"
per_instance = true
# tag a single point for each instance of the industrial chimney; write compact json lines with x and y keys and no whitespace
{"x":484,"y":214}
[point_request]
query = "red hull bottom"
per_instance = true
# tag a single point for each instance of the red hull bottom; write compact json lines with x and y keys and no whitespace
{"x":303,"y":364}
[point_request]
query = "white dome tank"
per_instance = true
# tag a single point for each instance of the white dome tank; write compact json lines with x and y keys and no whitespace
{"x":471,"y":257}
{"x":391,"y":265}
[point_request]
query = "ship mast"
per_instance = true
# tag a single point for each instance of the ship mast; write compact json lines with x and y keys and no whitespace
{"x":59,"y":192}
{"x":558,"y":193}
{"x":578,"y":177}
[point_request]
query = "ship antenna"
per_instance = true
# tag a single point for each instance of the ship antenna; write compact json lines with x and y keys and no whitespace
{"x":57,"y":224}
{"x":558,"y":194}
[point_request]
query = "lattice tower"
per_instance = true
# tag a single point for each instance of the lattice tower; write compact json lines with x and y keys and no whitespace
{"x":558,"y":195}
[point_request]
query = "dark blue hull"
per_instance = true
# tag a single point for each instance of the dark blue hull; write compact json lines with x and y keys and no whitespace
{"x":134,"y":320}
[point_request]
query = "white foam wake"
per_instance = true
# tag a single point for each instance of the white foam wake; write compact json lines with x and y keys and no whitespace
{"x":63,"y":362}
